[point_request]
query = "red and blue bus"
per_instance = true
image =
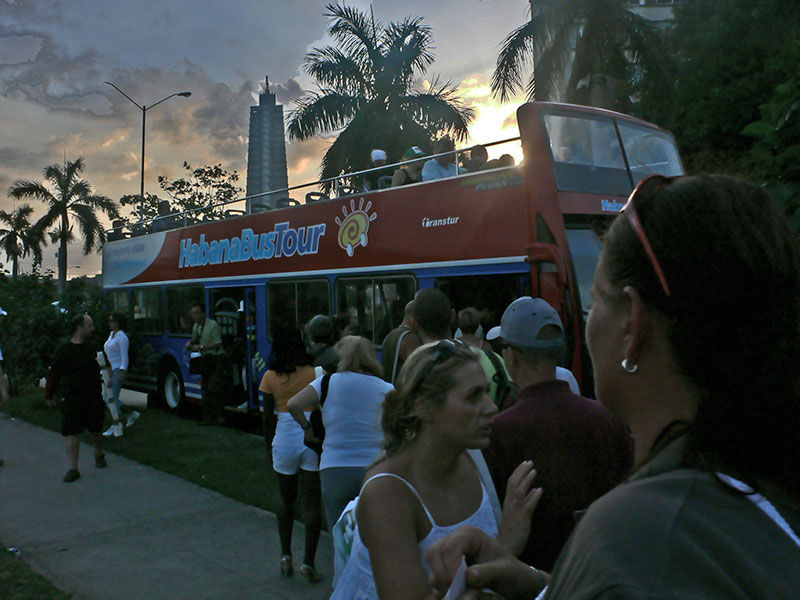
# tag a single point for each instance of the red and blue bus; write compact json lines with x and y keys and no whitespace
{"x":484,"y":238}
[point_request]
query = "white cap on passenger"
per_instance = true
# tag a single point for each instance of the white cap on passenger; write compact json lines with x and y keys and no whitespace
{"x":378,"y":154}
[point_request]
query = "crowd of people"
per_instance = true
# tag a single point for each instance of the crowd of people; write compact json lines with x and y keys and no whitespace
{"x":683,"y":472}
{"x":416,"y":167}
{"x":682,"y":475}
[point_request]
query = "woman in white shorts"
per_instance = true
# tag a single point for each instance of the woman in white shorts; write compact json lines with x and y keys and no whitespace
{"x":295,"y":464}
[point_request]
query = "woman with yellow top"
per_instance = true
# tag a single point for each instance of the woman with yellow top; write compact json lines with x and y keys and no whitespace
{"x":289,"y":372}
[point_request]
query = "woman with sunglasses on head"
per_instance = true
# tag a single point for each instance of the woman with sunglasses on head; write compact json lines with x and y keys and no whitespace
{"x":426,"y":486}
{"x":695,"y":340}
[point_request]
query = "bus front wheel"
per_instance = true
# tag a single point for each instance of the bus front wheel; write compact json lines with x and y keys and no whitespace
{"x":170,"y":387}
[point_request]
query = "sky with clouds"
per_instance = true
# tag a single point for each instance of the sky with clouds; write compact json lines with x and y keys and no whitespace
{"x":55,"y":56}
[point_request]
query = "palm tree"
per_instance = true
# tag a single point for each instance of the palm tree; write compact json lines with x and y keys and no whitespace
{"x":608,"y":45}
{"x":366,"y":92}
{"x":72,"y":197}
{"x":20,"y":238}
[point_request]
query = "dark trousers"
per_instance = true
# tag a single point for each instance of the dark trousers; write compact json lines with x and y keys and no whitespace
{"x":214,"y":386}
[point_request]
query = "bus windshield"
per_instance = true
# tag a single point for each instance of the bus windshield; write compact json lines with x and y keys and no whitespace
{"x":589,"y":153}
{"x":585,"y":246}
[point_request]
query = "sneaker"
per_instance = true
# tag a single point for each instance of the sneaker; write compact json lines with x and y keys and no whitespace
{"x":132,"y":418}
{"x":71,"y":475}
{"x":110,"y":431}
{"x":99,"y":462}
{"x":118,"y":430}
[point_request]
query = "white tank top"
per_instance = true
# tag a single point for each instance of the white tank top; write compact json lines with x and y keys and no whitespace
{"x":357,"y":581}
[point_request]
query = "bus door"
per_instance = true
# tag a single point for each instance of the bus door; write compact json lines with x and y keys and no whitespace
{"x":234,"y":308}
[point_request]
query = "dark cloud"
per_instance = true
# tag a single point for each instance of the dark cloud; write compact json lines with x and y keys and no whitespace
{"x":286,"y":93}
{"x":15,"y":49}
{"x":15,"y":158}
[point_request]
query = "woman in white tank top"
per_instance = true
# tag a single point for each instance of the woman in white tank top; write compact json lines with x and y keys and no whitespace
{"x":426,"y":486}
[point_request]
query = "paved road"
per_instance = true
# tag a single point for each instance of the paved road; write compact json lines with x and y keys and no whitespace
{"x":130,"y":531}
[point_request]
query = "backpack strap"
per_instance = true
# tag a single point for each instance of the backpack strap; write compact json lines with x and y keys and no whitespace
{"x":326,"y":380}
{"x":499,"y":372}
{"x":397,"y":353}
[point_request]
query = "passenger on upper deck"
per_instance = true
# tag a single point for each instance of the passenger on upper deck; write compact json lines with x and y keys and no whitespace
{"x":372,"y":180}
{"x":506,"y":160}
{"x":411,"y":172}
{"x":441,"y":166}
{"x":478,"y":157}
{"x":165,"y":219}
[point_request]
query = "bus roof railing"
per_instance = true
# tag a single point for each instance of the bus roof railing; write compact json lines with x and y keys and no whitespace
{"x":138,"y":228}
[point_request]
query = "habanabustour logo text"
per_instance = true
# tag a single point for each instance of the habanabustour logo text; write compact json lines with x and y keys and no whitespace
{"x":611,"y":205}
{"x":282,"y":241}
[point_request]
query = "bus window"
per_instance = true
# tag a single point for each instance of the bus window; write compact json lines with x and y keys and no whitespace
{"x":179,"y":299}
{"x":586,"y":155}
{"x":649,"y":151}
{"x":374,"y":305}
{"x":490,"y":294}
{"x":118,"y":301}
{"x":148,"y":317}
{"x":297,"y":301}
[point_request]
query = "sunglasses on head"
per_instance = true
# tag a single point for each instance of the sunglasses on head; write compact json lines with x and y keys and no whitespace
{"x":656,"y":182}
{"x":441,"y":352}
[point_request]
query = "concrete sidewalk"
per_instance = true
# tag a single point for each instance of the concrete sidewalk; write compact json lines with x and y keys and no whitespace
{"x":129,"y":531}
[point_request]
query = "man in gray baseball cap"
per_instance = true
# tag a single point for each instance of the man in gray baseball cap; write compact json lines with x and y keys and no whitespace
{"x":530,"y":323}
{"x":579,"y":450}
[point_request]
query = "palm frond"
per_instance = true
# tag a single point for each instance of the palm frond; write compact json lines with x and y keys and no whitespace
{"x":353,"y":30}
{"x":331,"y":68}
{"x":407,"y":46}
{"x":102,"y":203}
{"x":516,"y":52}
{"x":321,"y":113}
{"x":440,"y":110}
{"x":24,"y":189}
{"x":91,"y":229}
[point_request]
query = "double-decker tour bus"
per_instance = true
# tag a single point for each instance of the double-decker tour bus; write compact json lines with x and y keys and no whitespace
{"x":484,"y":238}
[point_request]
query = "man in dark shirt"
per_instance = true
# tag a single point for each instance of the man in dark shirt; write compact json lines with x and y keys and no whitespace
{"x":398,"y":344}
{"x":75,"y":373}
{"x":579,"y":450}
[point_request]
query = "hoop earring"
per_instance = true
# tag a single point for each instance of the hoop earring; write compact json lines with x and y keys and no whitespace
{"x":629,"y":368}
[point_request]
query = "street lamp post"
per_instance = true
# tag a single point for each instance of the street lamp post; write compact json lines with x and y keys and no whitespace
{"x":144,"y":110}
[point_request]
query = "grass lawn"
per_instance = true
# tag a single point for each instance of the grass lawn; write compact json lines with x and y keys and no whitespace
{"x":226,"y":460}
{"x":19,"y":582}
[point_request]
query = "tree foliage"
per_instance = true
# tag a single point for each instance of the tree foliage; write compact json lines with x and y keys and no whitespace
{"x":35,"y":327}
{"x":72,"y":199}
{"x":202,"y":188}
{"x":612,"y":48}
{"x":366,"y":90}
{"x":19,"y":237}
{"x":726,"y":59}
{"x":775,"y":155}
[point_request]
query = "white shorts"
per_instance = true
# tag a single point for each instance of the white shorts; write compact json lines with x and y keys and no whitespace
{"x":289,"y":453}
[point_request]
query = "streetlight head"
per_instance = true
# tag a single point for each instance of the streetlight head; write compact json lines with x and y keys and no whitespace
{"x":185,"y":94}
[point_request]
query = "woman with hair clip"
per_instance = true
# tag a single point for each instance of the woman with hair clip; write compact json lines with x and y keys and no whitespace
{"x":296,"y":465}
{"x":426,"y":486}
{"x":694,"y":335}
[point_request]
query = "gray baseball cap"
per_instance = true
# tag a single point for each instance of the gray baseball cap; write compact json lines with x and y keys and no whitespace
{"x":523,"y":321}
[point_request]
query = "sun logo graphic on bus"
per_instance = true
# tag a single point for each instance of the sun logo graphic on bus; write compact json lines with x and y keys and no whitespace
{"x":355,"y":225}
